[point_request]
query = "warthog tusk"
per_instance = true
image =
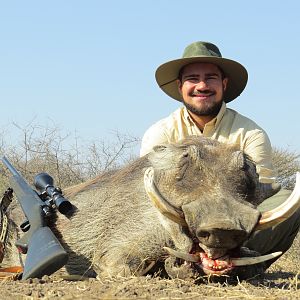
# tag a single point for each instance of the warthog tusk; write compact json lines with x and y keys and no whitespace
{"x":245,"y":261}
{"x":242,"y":261}
{"x":283,"y":211}
{"x":184,"y":256}
{"x":166,"y":208}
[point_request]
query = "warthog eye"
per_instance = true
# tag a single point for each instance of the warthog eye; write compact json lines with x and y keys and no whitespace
{"x":203,"y":234}
{"x":185,"y":154}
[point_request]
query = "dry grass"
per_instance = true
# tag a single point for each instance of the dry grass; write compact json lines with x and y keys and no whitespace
{"x":281,"y":281}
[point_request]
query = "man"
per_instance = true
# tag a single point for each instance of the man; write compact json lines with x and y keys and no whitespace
{"x":204,"y":82}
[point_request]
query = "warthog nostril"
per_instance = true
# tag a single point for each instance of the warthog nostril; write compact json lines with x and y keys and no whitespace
{"x":216,"y":237}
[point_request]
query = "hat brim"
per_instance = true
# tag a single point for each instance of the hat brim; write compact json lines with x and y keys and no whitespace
{"x":167,"y":74}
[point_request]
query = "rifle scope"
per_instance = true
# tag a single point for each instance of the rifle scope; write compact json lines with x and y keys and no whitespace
{"x":44,"y":183}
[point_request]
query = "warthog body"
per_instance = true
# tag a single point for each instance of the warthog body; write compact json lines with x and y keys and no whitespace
{"x":117,"y":229}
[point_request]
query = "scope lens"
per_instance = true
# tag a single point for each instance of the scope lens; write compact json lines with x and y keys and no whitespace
{"x":64,"y":206}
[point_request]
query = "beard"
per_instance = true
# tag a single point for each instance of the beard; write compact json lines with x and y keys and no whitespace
{"x":211,"y":110}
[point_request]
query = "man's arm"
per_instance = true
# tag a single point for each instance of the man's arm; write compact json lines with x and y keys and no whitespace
{"x":258,"y":147}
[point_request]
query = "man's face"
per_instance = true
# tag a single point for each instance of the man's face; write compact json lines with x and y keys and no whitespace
{"x":202,"y":88}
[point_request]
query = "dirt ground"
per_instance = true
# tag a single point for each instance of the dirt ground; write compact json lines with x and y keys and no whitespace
{"x":281,"y":281}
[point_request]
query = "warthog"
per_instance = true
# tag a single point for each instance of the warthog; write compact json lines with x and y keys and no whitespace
{"x":189,"y":205}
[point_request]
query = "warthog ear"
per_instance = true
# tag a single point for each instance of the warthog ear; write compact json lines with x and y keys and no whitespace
{"x":165,"y":157}
{"x":161,"y":157}
{"x":238,"y":160}
{"x":241,"y":161}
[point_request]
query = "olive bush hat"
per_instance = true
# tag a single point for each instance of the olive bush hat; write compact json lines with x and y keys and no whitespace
{"x":204,"y":52}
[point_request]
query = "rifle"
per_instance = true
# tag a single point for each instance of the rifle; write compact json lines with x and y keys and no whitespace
{"x":45,"y":254}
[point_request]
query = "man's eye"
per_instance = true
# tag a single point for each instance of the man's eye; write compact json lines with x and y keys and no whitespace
{"x":192,"y":79}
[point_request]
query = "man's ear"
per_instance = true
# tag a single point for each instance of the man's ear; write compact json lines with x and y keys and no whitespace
{"x":225,"y":82}
{"x":179,"y":85}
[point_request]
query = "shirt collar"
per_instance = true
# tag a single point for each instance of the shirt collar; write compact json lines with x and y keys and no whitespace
{"x":214,"y":122}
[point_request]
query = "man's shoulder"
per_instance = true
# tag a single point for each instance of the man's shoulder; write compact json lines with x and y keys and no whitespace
{"x":160,"y":132}
{"x":241,"y":120}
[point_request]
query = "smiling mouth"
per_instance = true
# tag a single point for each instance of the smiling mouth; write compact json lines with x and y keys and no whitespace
{"x":203,"y":94}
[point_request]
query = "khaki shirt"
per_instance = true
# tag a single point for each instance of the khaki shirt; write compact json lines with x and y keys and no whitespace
{"x":227,"y":127}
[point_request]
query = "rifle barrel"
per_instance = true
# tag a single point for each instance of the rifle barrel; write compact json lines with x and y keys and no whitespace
{"x":10,"y":167}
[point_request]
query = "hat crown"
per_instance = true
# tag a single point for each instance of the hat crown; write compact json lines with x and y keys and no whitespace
{"x":201,"y":49}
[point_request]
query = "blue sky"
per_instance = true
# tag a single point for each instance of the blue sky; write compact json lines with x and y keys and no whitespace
{"x":88,"y":66}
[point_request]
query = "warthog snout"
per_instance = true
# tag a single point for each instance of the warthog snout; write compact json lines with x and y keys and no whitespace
{"x":216,"y":236}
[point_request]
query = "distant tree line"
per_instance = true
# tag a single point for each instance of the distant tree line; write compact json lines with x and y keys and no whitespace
{"x":70,"y":161}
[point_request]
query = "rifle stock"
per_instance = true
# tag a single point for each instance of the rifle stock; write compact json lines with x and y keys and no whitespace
{"x":45,"y":254}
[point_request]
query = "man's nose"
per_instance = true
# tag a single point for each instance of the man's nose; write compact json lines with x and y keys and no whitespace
{"x":201,"y":85}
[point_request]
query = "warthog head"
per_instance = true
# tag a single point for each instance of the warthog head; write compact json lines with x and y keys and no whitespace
{"x":210,"y":191}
